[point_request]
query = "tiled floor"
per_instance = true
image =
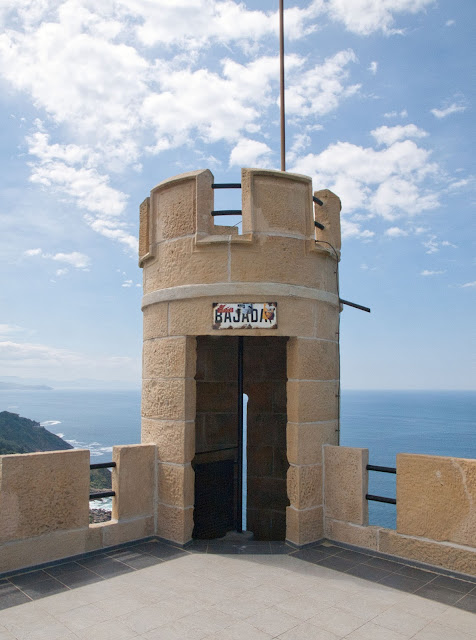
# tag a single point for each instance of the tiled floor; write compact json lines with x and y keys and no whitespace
{"x":230,"y":591}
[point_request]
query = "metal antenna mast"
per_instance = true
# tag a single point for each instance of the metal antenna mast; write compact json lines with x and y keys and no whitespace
{"x":281,"y":83}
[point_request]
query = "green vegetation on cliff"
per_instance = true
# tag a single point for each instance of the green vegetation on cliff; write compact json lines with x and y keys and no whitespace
{"x":21,"y":435}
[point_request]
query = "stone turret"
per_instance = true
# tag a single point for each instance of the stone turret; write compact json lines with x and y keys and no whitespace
{"x":189,"y":266}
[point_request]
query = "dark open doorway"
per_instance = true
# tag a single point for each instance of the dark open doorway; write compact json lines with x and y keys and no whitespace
{"x":227,"y":367}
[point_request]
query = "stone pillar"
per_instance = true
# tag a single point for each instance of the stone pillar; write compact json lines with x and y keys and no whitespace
{"x":312,"y":392}
{"x":168,"y":410}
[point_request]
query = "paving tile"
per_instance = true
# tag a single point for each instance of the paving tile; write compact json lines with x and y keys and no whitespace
{"x":338,"y":563}
{"x":273,"y":621}
{"x":310,"y":555}
{"x":306,"y":631}
{"x":368,"y":572}
{"x":28,"y":579}
{"x":381,"y":563}
{"x":148,"y":618}
{"x":6,"y":635}
{"x":337,"y":621}
{"x":453,"y":583}
{"x":209,"y":620}
{"x":467,"y":603}
{"x":82,"y":617}
{"x":401,"y":621}
{"x":11,"y":596}
{"x":355,"y":556}
{"x":414,"y":572}
{"x":160,"y":550}
{"x":238,"y":631}
{"x":463,"y":621}
{"x":436,"y":631}
{"x":63,"y":569}
{"x":175,"y":631}
{"x":109,"y":630}
{"x":302,"y":606}
{"x":401,"y":582}
{"x":43,"y":588}
{"x":105,"y":567}
{"x":422,"y":606}
{"x":440,"y":594}
{"x":76,"y":579}
{"x":372,"y":631}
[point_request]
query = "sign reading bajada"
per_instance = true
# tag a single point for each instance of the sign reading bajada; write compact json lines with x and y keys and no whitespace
{"x":245,"y":315}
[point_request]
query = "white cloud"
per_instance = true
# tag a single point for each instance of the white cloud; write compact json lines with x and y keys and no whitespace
{"x":468,"y":284}
{"x":127,"y":283}
{"x":396,"y":114}
{"x":389,"y":135}
{"x":450,"y":23}
{"x":250,"y":153}
{"x":395,"y":232}
{"x":426,"y":272}
{"x":75,"y":258}
{"x":433,"y":245}
{"x":373,"y":66}
{"x":351,"y":229}
{"x":388,"y":182}
{"x":367,"y":16}
{"x":9,"y":329}
{"x":453,"y":108}
{"x":61,"y":272}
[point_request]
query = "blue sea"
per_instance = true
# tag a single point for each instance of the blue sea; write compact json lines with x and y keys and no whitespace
{"x":385,"y":422}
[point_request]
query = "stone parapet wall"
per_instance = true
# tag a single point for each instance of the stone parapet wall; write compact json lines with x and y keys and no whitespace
{"x":44,"y":504}
{"x":436,"y":507}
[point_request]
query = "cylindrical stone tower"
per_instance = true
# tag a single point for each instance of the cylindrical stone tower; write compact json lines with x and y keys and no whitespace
{"x":199,"y":280}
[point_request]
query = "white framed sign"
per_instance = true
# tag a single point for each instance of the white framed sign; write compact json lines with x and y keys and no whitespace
{"x":245,"y":315}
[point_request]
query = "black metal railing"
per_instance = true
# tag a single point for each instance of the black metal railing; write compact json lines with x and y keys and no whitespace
{"x":370,"y":496}
{"x":101,"y":494}
{"x":227,"y":212}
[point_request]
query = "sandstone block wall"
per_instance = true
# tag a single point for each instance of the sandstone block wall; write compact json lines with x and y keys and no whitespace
{"x":44,"y":504}
{"x":436,"y":507}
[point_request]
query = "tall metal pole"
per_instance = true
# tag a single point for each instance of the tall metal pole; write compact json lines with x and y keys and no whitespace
{"x":281,"y":83}
{"x":239,"y":488}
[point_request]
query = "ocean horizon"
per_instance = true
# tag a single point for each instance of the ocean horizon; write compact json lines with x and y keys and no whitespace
{"x":385,"y":422}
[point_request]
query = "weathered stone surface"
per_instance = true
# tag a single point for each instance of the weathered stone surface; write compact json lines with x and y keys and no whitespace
{"x":175,"y":439}
{"x":280,"y":202}
{"x":258,"y":262}
{"x":169,"y":399}
{"x":176,"y":484}
{"x":304,"y":441}
{"x":173,"y":208}
{"x":169,"y":358}
{"x":305,"y":486}
{"x":327,"y":322}
{"x":133,"y":480}
{"x":181,"y":262}
{"x":114,"y":532}
{"x":345,"y":485}
{"x":360,"y":536}
{"x":313,"y":359}
{"x":304,"y":526}
{"x":155,"y":321}
{"x":43,"y":492}
{"x":54,"y":545}
{"x":440,"y":554}
{"x":310,"y":401}
{"x":329,"y":215}
{"x":144,"y":228}
{"x":174,"y":524}
{"x":436,"y":498}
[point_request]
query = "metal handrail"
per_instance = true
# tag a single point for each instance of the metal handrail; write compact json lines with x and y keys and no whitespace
{"x":102,"y":494}
{"x":369,"y":496}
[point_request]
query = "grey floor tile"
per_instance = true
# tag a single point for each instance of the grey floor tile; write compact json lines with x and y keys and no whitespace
{"x":31,"y":578}
{"x":355,"y":556}
{"x":402,"y":583}
{"x":44,"y":588}
{"x":468,"y":603}
{"x":453,"y":583}
{"x":105,"y":567}
{"x":381,"y":563}
{"x":440,"y":594}
{"x":63,"y":569}
{"x":368,"y":573}
{"x":79,"y":578}
{"x":10,"y":596}
{"x":414,"y":572}
{"x":310,"y":555}
{"x":337,"y":563}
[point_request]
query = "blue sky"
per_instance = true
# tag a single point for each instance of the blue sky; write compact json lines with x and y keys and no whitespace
{"x":101,"y":101}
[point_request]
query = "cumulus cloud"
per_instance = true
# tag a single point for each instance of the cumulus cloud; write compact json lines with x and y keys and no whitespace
{"x":396,"y":114}
{"x":389,"y":135}
{"x":75,"y":258}
{"x":433,"y":245}
{"x":466,"y":285}
{"x":389,"y":182}
{"x":447,"y":111}
{"x":373,"y":66}
{"x":250,"y":153}
{"x":427,"y":272}
{"x":396,"y":232}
